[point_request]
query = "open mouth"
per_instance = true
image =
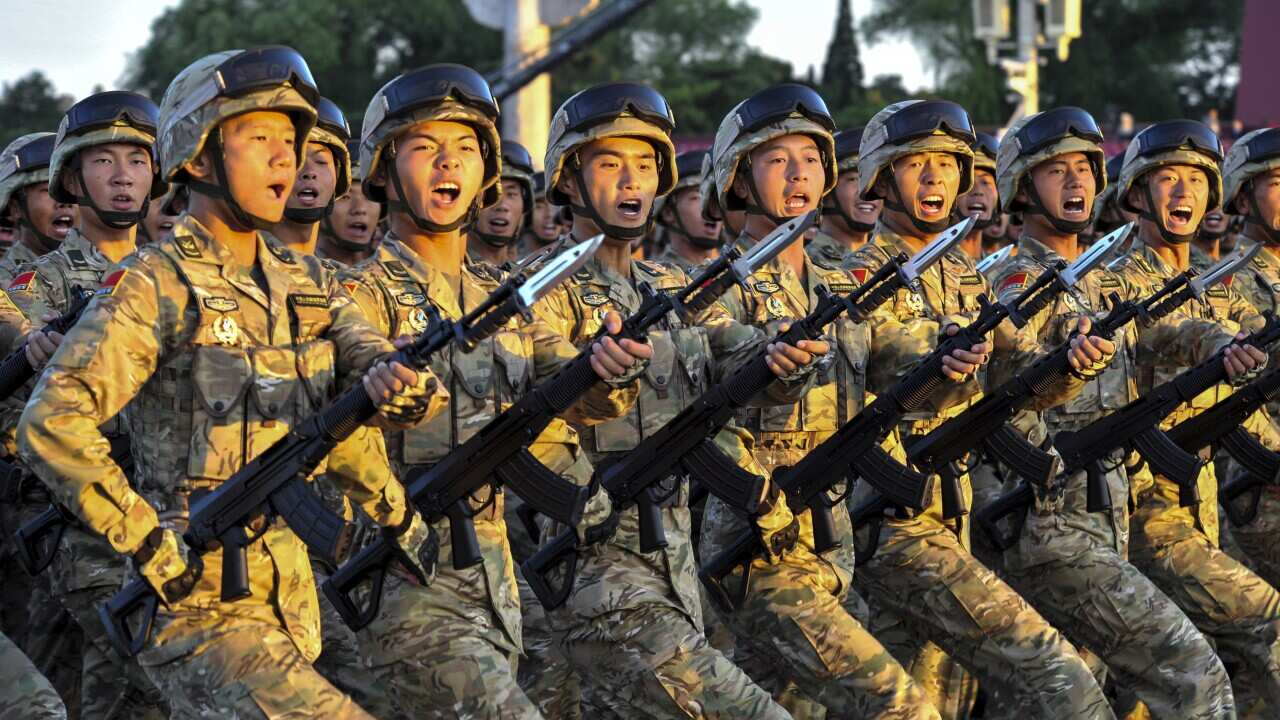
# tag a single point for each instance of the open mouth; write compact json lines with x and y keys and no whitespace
{"x":446,"y":193}
{"x":121,"y":202}
{"x":932,"y":204}
{"x":797,"y":202}
{"x":865,"y":207}
{"x":166,"y":225}
{"x":630,"y":208}
{"x":308,"y":195}
{"x":358,"y":226}
{"x":277,"y":190}
{"x":1180,"y":216}
{"x":499,"y":222}
{"x":62,"y":223}
{"x":1073,"y":206}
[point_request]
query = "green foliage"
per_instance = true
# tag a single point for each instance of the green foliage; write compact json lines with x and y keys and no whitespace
{"x":30,"y":104}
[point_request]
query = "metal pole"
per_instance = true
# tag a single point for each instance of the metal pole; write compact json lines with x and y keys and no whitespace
{"x":526,"y":114}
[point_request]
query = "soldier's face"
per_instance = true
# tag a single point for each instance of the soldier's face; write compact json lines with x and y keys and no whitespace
{"x":158,"y":223}
{"x":503,"y":217}
{"x":46,"y":215}
{"x":545,"y":225}
{"x":928,"y":183}
{"x":1066,"y":186}
{"x":258,"y":152}
{"x":980,"y":199}
{"x":1216,"y":221}
{"x":688,"y":205}
{"x":1265,"y":196}
{"x":117,"y":176}
{"x":317,"y":179}
{"x":441,"y":166}
{"x":354,"y":216}
{"x":788,"y":176}
{"x":863,"y":211}
{"x":1179,"y":197}
{"x":621,"y":176}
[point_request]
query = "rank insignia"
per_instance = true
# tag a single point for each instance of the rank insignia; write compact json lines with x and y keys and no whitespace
{"x":221,"y":304}
{"x":766,"y":286}
{"x":595,"y":299}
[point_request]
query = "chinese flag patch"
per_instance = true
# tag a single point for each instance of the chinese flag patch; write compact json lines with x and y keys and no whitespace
{"x":351,"y":287}
{"x":24,"y":282}
{"x":109,"y":285}
{"x":859,"y":275}
{"x":1014,"y":280}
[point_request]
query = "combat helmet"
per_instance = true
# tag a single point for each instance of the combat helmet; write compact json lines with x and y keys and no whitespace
{"x":786,"y":109}
{"x":104,"y":118}
{"x":220,"y":86}
{"x":25,"y":162}
{"x":611,"y":110}
{"x":1173,"y":142}
{"x":1254,"y":153}
{"x":332,"y":131}
{"x":908,"y":127}
{"x":444,"y":92}
{"x":690,"y":166}
{"x":1037,"y":138}
{"x":847,"y":144}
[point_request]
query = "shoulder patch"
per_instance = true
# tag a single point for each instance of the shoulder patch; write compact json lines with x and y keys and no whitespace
{"x":304,"y":300}
{"x":595,"y":299}
{"x":767,"y":286}
{"x":1109,"y":280}
{"x":113,"y":280}
{"x":77,"y":259}
{"x":410,"y":299}
{"x":24,"y":282}
{"x":221,"y":304}
{"x":860,"y":275}
{"x":395,"y":269}
{"x":282,"y":254}
{"x":1016,"y":280}
{"x":351,"y":286}
{"x":188,"y":246}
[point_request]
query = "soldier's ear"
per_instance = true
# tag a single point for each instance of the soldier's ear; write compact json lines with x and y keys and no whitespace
{"x":668,"y":214}
{"x":70,"y":183}
{"x":201,"y":167}
{"x":1135,"y":198}
{"x":1243,"y":204}
{"x":881,"y":186}
{"x":569,"y":186}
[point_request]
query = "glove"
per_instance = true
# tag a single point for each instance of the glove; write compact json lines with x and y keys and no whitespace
{"x":409,"y":407}
{"x":170,"y":567}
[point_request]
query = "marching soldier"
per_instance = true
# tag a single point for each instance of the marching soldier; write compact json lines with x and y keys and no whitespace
{"x":691,"y":239}
{"x":40,"y":222}
{"x":347,"y":233}
{"x":983,"y":199}
{"x":847,"y":220}
{"x":492,"y":238}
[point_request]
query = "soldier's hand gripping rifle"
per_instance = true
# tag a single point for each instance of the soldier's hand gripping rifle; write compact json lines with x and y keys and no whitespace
{"x":1137,"y":424}
{"x":985,"y":424}
{"x":275,"y":482}
{"x":498,"y":449}
{"x":685,"y":445}
{"x":16,"y":370}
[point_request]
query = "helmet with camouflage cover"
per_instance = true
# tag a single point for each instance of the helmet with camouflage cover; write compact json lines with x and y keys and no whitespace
{"x":611,"y":110}
{"x":223,"y":85}
{"x":1172,"y":142}
{"x":1037,"y":138}
{"x":786,"y":109}
{"x":909,"y":127}
{"x":984,"y":152}
{"x":517,"y":167}
{"x":23,"y":162}
{"x":332,"y":131}
{"x":444,"y":92}
{"x":102,"y":119}
{"x":1256,"y":152}
{"x":1107,"y":195}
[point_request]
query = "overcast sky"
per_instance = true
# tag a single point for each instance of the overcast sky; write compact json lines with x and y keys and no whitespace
{"x":82,"y":43}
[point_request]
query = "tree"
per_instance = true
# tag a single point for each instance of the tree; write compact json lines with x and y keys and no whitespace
{"x":842,"y":70}
{"x":30,"y":104}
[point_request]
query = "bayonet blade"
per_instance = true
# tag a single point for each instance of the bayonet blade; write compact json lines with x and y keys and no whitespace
{"x":1224,"y":268}
{"x":994,"y":259}
{"x":555,"y":271}
{"x":770,"y":245}
{"x":933,"y":252}
{"x":1094,"y":255}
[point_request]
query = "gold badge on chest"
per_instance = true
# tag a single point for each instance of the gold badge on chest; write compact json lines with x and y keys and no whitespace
{"x":225,"y":330}
{"x":915,"y":303}
{"x":775,"y":307}
{"x":417,"y":320}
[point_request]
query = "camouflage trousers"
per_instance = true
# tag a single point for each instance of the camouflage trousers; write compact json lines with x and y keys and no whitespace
{"x":1257,"y":538}
{"x":441,"y":655}
{"x":110,"y":686}
{"x":792,"y":629}
{"x":945,"y":595}
{"x":340,"y":662}
{"x":245,"y":670}
{"x":25,"y":694}
{"x":544,"y":674}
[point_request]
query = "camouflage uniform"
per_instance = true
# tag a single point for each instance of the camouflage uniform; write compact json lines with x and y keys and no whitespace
{"x":827,"y":251}
{"x":1071,"y":564}
{"x":668,"y":256}
{"x":26,"y":695}
{"x":13,"y":179}
{"x":454,"y":642}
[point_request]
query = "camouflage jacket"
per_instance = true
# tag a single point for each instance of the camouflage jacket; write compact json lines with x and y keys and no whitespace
{"x":1186,"y":337}
{"x":393,"y":287}
{"x":18,"y":255}
{"x":216,"y":369}
{"x":1112,"y":389}
{"x":827,"y":251}
{"x":668,"y":256}
{"x":13,"y":328}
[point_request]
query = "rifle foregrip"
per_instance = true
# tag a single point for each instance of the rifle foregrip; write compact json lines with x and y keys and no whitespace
{"x":36,"y":542}
{"x":543,"y":490}
{"x":653,"y":536}
{"x":347,"y":413}
{"x":572,"y":381}
{"x":135,"y":601}
{"x":462,"y":536}
{"x":561,"y":552}
{"x":235,"y":565}
{"x":707,"y":294}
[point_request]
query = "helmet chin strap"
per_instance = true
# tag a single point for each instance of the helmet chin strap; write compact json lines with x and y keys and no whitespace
{"x":308,"y":216}
{"x":588,"y":210}
{"x":1066,"y":227}
{"x":853,"y":225}
{"x":46,"y":242}
{"x":326,"y":226}
{"x":702,"y":243}
{"x":243,"y":219}
{"x":1254,"y":218}
{"x":1165,"y":234}
{"x":499,"y":242}
{"x":115,"y":219}
{"x":425,"y":224}
{"x":936,"y":226}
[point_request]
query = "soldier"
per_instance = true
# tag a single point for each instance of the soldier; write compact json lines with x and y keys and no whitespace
{"x":26,"y":694}
{"x":545,"y":225}
{"x":774,"y":159}
{"x":40,"y":222}
{"x":493,"y":236}
{"x":982,"y":200}
{"x":323,"y":177}
{"x":219,"y":342}
{"x":633,"y":626}
{"x":430,"y":149}
{"x":1170,"y":179}
{"x":347,"y":233}
{"x":1107,"y":213}
{"x":1069,"y":563}
{"x":691,"y":239}
{"x":847,"y":219}
{"x":102,"y":161}
{"x":162,"y":214}
{"x":1207,"y":247}
{"x":916,"y":156}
